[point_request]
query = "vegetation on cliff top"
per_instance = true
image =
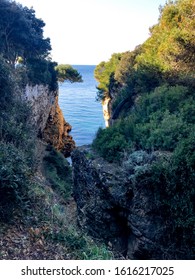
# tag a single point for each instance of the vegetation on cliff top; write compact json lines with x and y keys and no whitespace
{"x":153,"y":105}
{"x":66,"y":72}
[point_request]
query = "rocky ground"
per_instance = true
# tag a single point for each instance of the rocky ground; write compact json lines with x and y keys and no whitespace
{"x":28,"y":235}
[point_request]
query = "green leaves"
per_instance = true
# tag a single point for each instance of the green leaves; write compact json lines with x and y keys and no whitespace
{"x":58,"y":173}
{"x":110,"y":143}
{"x":42,"y":71}
{"x":14,"y":179}
{"x":104,"y":74}
{"x":172,"y":40}
{"x":21,"y":33}
{"x":66,"y":72}
{"x":159,"y":121}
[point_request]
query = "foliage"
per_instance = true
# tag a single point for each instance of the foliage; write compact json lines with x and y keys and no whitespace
{"x":14,"y":179}
{"x":21,"y":33}
{"x":172,"y":39}
{"x":22,"y":40}
{"x":16,"y":168}
{"x":66,"y":72}
{"x":166,"y":57}
{"x":159,"y":120}
{"x":110,"y":143}
{"x":104,"y":74}
{"x":58,"y":172}
{"x":81,"y":246}
{"x":42,"y":71}
{"x":17,"y":143}
{"x":6,"y":90}
{"x":17,"y":154}
{"x":175,"y":195}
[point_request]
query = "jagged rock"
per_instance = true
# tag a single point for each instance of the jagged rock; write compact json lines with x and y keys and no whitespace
{"x":114,"y":206}
{"x":56,"y":131}
{"x":48,"y":118}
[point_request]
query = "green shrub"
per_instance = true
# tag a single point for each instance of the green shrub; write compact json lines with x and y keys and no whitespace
{"x":58,"y":172}
{"x":163,"y":98}
{"x":163,"y":118}
{"x":173,"y":184}
{"x":159,"y":121}
{"x":163,"y":131}
{"x":15,"y":175}
{"x":6,"y":84}
{"x":110,"y":143}
{"x":80,"y":246}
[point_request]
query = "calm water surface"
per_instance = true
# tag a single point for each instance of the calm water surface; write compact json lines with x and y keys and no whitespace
{"x":79,"y":106}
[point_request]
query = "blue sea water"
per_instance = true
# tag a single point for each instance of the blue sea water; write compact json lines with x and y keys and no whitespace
{"x":79,"y":106}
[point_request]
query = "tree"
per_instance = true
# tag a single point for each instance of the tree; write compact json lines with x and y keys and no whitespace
{"x":172,"y":41}
{"x":104,"y":74}
{"x":127,"y":65}
{"x":66,"y":72}
{"x":21,"y":33}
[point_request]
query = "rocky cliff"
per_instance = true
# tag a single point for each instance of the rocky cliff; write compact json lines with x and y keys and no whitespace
{"x":114,"y":205}
{"x":106,"y":106}
{"x":48,"y":118}
{"x":108,"y":111}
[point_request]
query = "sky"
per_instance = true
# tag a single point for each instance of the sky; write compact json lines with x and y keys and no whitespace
{"x":87,"y":32}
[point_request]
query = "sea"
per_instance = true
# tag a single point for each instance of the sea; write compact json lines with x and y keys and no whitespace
{"x":79,"y":106}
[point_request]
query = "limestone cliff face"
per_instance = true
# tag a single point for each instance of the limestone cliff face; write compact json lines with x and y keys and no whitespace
{"x":41,"y":100}
{"x":56,"y":131}
{"x":113,"y":206}
{"x":107,"y":108}
{"x":48,"y":118}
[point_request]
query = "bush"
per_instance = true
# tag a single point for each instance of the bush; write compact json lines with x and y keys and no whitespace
{"x":80,"y":245}
{"x":110,"y":144}
{"x":58,"y":172}
{"x":163,"y":131}
{"x":6,"y":84}
{"x":163,"y":98}
{"x":159,"y":121}
{"x":14,"y":179}
{"x":175,"y":196}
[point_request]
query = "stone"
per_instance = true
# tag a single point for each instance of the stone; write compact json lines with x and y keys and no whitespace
{"x":114,"y":206}
{"x":48,"y":118}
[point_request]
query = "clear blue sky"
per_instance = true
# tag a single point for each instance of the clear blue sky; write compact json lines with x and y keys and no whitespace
{"x":90,"y":31}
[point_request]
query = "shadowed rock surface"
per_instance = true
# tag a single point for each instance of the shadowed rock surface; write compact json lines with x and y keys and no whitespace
{"x":112,"y":205}
{"x":48,"y":118}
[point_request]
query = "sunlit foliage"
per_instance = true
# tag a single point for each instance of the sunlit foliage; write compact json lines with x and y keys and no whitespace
{"x":66,"y":72}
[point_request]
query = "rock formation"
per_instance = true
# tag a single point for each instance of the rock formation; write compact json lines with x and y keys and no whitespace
{"x":48,"y":118}
{"x":57,"y":131}
{"x":106,"y":111}
{"x":114,"y":206}
{"x":107,"y":103}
